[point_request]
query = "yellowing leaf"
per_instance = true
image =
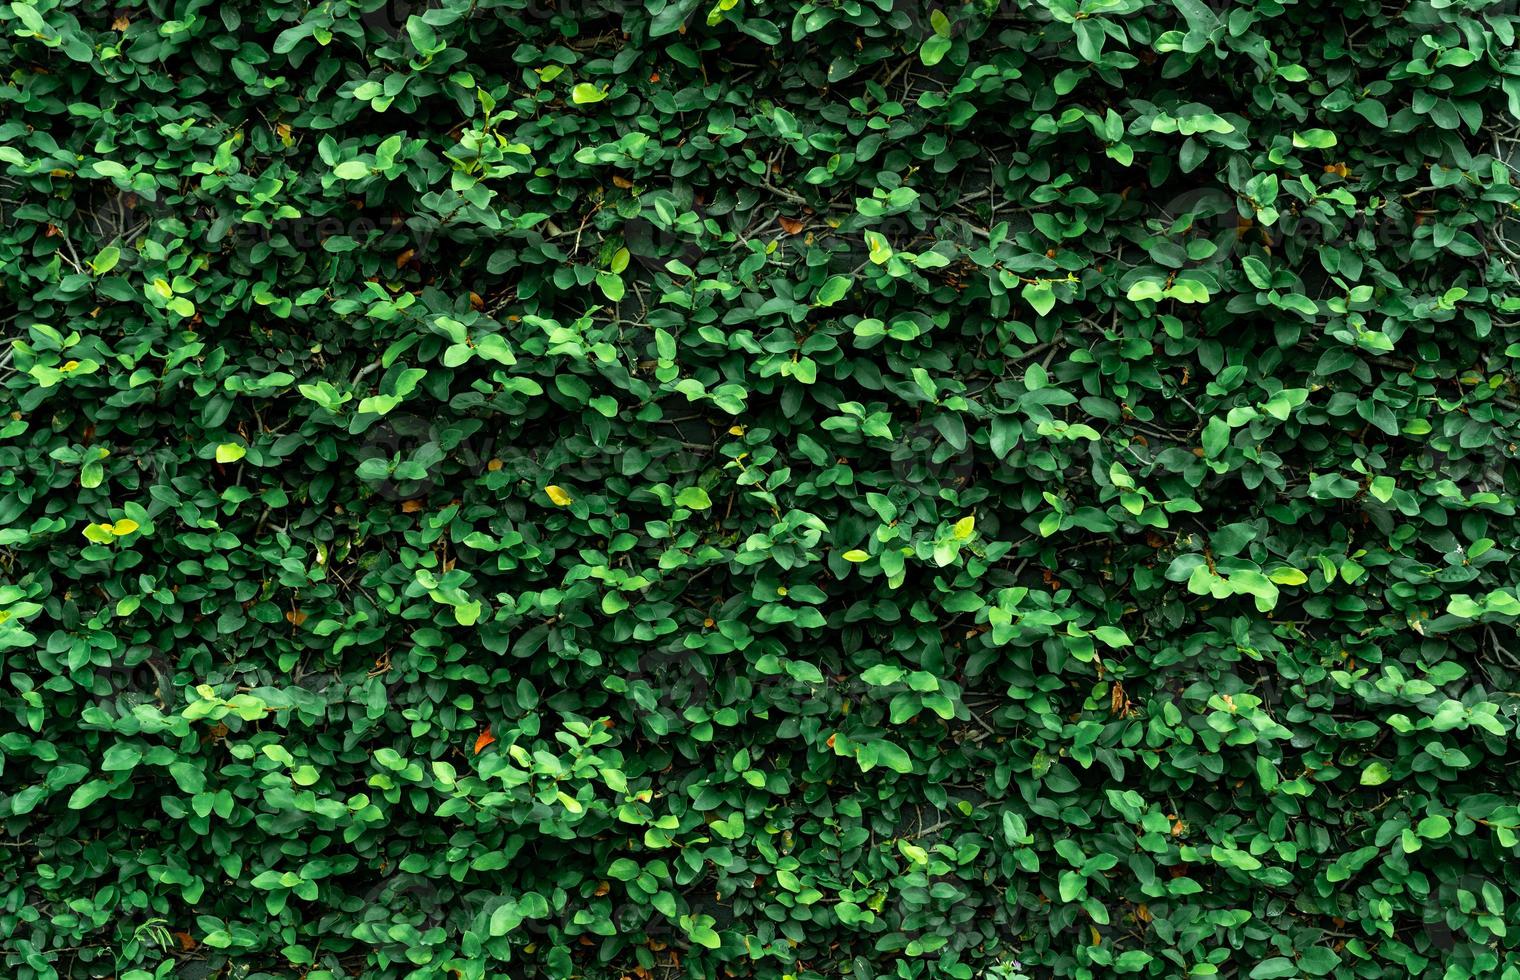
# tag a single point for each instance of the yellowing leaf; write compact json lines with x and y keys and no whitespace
{"x":229,"y":452}
{"x":99,"y":533}
{"x":558,"y":495}
{"x":124,"y":526}
{"x":467,"y":614}
{"x":965,"y":528}
{"x":1287,"y":576}
{"x":856,"y":555}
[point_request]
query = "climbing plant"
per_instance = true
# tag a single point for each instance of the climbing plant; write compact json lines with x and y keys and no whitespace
{"x":849,"y":488}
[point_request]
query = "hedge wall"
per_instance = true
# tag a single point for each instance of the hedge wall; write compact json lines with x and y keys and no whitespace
{"x":851,"y":488}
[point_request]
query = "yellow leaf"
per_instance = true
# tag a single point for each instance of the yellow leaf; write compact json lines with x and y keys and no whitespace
{"x":99,"y":533}
{"x":856,"y":555}
{"x":124,"y":526}
{"x":558,"y":495}
{"x":965,"y":527}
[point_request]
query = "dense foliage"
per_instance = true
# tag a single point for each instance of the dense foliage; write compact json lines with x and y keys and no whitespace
{"x":849,"y":488}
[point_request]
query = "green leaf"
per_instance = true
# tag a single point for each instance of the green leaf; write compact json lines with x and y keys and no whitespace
{"x":105,"y":260}
{"x":833,"y":290}
{"x":1274,"y":966}
{"x":891,"y":755}
{"x":1040,"y":296}
{"x":121,"y":758}
{"x":88,"y":793}
{"x":1319,"y":139}
{"x":468,"y":613}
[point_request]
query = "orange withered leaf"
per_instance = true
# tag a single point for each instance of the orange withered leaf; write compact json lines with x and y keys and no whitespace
{"x":483,"y":739}
{"x":295,"y":617}
{"x":791,"y":226}
{"x":411,"y":506}
{"x":405,"y":257}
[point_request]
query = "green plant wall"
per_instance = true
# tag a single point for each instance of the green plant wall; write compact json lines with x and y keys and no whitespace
{"x":841,"y":489}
